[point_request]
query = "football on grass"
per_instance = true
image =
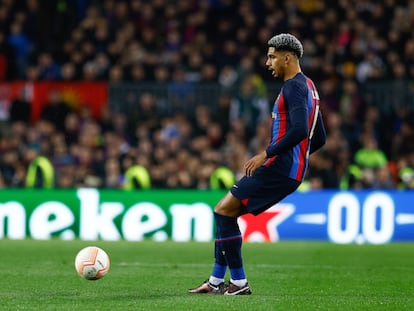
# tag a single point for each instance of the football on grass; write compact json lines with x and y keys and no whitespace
{"x":92,"y":263}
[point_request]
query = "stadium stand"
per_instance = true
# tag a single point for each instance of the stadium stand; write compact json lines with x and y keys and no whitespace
{"x":180,"y":76}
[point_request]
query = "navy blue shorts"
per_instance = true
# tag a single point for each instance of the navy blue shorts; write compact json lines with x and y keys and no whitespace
{"x":263,"y":190}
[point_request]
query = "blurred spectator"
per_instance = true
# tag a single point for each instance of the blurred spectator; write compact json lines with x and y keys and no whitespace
{"x":372,"y":162}
{"x":146,"y":114}
{"x":351,"y":108}
{"x":383,"y":179}
{"x":22,"y":48}
{"x":194,"y":68}
{"x":403,"y":142}
{"x":4,"y":105}
{"x":161,"y":74}
{"x":116,"y":74}
{"x":406,"y":176}
{"x":20,"y":108}
{"x":48,"y":69}
{"x":260,"y":139}
{"x":181,"y":91}
{"x":228,"y":78}
{"x":102,"y":65}
{"x":249,"y":106}
{"x":208,"y":73}
{"x":112,"y":174}
{"x":71,"y":129}
{"x":222,"y":115}
{"x":369,"y":155}
{"x":137,"y":73}
{"x":202,"y":120}
{"x":7,"y":65}
{"x":68,"y":72}
{"x":89,"y":72}
{"x":55,"y":110}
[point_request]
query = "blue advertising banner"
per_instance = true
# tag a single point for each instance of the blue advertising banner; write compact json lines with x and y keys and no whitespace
{"x":374,"y":217}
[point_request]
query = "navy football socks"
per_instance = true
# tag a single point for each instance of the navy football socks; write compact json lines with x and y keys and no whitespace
{"x":228,"y":248}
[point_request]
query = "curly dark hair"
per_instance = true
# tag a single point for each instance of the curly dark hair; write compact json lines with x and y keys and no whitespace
{"x":286,"y":42}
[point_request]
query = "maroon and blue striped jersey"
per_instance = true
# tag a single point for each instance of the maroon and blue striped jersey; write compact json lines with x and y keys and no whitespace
{"x":297,"y":128}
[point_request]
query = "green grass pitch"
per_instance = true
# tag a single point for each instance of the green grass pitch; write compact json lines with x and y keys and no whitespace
{"x":40,"y":275}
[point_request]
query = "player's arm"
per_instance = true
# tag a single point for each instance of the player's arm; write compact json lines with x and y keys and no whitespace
{"x":298,"y":130}
{"x":319,"y":135}
{"x":296,"y":95}
{"x":292,"y":138}
{"x":251,"y":165}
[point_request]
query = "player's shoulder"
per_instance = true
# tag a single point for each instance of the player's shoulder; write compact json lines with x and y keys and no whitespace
{"x":298,"y":82}
{"x":300,"y":77}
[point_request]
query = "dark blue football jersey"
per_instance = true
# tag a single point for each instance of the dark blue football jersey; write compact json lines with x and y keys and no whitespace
{"x":294,"y":117}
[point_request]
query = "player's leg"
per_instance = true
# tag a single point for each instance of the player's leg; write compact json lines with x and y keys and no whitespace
{"x":228,"y":244}
{"x":227,"y":249}
{"x":220,"y":264}
{"x":250,"y":195}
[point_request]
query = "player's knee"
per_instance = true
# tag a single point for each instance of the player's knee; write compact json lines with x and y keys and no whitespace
{"x":226,"y":212}
{"x":220,"y":209}
{"x":228,"y":206}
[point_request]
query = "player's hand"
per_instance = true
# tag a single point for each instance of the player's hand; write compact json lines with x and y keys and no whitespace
{"x":255,"y":162}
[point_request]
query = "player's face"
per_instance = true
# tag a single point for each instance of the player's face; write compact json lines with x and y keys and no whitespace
{"x":276,"y":62}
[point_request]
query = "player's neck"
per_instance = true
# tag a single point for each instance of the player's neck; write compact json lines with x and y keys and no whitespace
{"x":291,"y":72}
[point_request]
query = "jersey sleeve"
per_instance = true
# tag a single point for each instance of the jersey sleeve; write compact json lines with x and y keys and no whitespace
{"x":319,"y":135}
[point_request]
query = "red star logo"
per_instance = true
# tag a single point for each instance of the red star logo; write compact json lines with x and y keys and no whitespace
{"x":263,"y":227}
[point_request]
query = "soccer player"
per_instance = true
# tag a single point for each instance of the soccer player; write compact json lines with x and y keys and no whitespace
{"x":297,"y":131}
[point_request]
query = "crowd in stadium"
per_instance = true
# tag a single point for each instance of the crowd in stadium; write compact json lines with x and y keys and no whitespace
{"x":347,"y":43}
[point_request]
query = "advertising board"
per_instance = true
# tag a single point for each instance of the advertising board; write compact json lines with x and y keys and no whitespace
{"x":374,"y":217}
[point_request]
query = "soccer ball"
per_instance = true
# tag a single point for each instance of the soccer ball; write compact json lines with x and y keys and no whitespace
{"x":92,"y":263}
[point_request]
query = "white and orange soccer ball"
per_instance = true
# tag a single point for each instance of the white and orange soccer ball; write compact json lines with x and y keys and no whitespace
{"x":92,"y":263}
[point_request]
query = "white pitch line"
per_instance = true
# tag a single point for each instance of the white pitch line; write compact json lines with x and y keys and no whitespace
{"x":260,"y":266}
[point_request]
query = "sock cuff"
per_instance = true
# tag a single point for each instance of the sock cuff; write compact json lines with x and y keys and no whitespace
{"x":237,"y":273}
{"x":219,"y":271}
{"x":227,"y":227}
{"x":230,"y":238}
